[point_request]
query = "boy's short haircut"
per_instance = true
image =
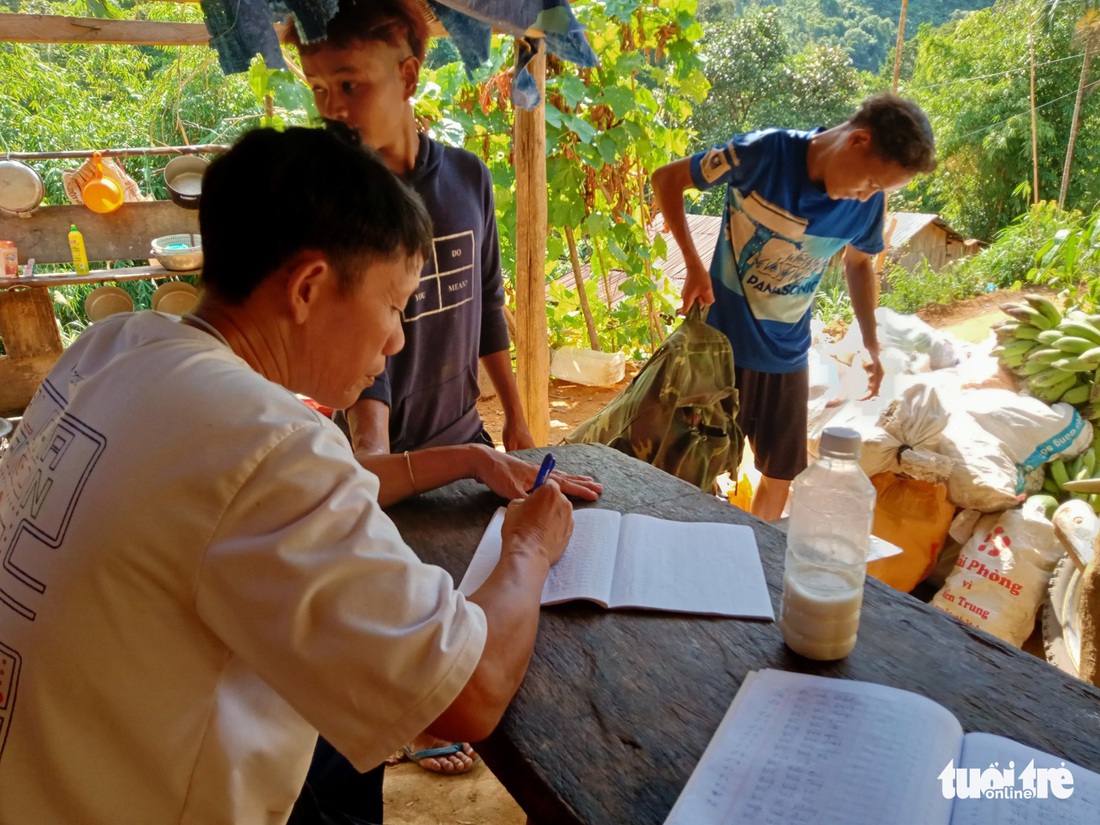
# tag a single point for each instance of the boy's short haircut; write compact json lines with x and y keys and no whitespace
{"x":277,"y":194}
{"x":900,"y":131}
{"x":365,"y":21}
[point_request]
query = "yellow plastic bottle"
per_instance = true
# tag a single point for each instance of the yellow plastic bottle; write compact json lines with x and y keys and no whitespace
{"x":80,"y":256}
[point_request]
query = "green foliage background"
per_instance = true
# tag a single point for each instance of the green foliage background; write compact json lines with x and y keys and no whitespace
{"x":675,"y":77}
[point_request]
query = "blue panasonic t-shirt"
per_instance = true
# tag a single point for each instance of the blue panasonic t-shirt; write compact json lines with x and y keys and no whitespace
{"x":780,"y":230}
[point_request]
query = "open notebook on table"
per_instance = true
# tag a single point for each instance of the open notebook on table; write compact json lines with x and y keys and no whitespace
{"x":795,"y":748}
{"x":646,"y":562}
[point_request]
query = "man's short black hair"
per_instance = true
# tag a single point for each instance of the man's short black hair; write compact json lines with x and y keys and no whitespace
{"x":900,"y":131}
{"x":276,"y":194}
{"x":372,"y":21}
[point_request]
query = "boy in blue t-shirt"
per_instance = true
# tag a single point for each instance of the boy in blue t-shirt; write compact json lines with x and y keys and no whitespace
{"x":793,"y":200}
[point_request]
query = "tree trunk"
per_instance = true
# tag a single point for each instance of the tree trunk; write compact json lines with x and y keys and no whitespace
{"x":582,"y":297}
{"x":1075,"y":125}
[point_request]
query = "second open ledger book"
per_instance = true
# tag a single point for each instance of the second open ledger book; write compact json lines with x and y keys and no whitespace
{"x":646,"y":562}
{"x":795,"y":748}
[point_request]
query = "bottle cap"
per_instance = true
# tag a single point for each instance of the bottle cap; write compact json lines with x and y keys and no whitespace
{"x":840,"y":442}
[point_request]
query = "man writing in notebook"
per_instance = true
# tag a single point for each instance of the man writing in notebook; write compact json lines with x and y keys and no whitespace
{"x":793,"y":200}
{"x":199,"y":576}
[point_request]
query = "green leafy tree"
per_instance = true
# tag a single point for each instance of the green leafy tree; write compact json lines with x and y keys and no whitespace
{"x":758,"y":80}
{"x":1087,"y":32}
{"x":607,"y":129}
{"x":972,"y":77}
{"x":865,"y":29}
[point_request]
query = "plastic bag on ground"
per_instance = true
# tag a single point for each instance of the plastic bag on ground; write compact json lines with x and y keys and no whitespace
{"x":915,"y":516}
{"x":906,"y":332}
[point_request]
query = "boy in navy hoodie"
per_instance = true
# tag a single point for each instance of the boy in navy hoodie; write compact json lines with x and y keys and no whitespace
{"x":363,"y":76}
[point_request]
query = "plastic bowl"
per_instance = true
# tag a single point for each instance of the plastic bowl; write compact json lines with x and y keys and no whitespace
{"x":178,"y":252}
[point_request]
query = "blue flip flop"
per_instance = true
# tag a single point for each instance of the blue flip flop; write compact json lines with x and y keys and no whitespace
{"x":431,"y":753}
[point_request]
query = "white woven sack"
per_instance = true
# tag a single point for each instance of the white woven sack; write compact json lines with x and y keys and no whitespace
{"x":907,"y":432}
{"x":1001,"y":575}
{"x":1031,"y":431}
{"x":984,"y":477}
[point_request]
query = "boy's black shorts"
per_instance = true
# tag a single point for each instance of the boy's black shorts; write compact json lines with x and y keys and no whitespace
{"x":772,"y":414}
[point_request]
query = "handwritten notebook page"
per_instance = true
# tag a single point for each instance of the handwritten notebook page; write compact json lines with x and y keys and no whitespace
{"x":583,"y":572}
{"x":794,"y":749}
{"x":586,"y":567}
{"x":697,"y":567}
{"x":980,"y":750}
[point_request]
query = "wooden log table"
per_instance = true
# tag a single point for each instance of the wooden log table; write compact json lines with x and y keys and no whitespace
{"x":618,"y":706}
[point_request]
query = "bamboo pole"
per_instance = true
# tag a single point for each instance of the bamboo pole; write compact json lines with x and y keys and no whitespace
{"x":49,"y":28}
{"x":122,"y":152}
{"x":1034,"y":127}
{"x":901,"y":42}
{"x":532,"y":350}
{"x":582,"y":296}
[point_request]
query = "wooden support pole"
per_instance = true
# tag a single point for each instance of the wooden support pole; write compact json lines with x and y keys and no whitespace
{"x":50,"y":28}
{"x":532,"y":349}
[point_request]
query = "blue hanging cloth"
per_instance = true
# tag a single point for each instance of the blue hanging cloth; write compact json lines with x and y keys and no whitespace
{"x":240,"y":29}
{"x":470,"y":24}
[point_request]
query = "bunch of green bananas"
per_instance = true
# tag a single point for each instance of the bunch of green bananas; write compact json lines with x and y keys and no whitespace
{"x":1078,"y":478}
{"x":1058,"y":357}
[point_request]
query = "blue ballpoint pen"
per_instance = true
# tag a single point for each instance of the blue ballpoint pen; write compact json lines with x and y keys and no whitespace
{"x":544,"y":471}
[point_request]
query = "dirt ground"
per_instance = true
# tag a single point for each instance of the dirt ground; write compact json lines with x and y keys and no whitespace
{"x":415,"y":796}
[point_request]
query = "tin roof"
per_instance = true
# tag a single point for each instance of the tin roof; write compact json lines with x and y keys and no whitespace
{"x":908,"y":224}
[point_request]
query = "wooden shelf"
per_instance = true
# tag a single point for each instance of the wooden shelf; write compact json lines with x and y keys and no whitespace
{"x":96,"y":276}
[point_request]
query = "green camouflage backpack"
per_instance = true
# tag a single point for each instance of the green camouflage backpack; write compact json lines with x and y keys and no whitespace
{"x":680,"y":412}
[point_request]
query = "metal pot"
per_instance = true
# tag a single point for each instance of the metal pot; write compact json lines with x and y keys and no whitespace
{"x":183,"y":177}
{"x":21,"y":190}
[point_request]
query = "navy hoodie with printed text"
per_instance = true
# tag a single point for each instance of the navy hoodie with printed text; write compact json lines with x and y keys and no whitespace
{"x":456,"y":315}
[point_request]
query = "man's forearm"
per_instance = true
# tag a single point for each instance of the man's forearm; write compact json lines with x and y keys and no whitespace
{"x":510,"y":599}
{"x":401,"y":475}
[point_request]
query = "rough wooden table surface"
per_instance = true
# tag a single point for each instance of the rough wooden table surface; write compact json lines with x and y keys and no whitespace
{"x":618,"y":706}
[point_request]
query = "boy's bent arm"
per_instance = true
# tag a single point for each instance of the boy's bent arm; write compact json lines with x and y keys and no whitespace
{"x":669,"y":184}
{"x":859,"y":272}
{"x":517,"y":435}
{"x":369,"y":426}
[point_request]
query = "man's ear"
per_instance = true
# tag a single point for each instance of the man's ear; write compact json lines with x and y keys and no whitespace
{"x":410,"y":74}
{"x":309,"y":276}
{"x":859,"y":138}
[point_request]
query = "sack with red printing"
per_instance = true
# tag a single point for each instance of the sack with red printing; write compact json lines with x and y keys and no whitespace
{"x":1002,"y":573}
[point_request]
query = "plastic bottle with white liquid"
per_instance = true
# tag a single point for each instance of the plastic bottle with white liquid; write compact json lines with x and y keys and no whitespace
{"x":832,"y":508}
